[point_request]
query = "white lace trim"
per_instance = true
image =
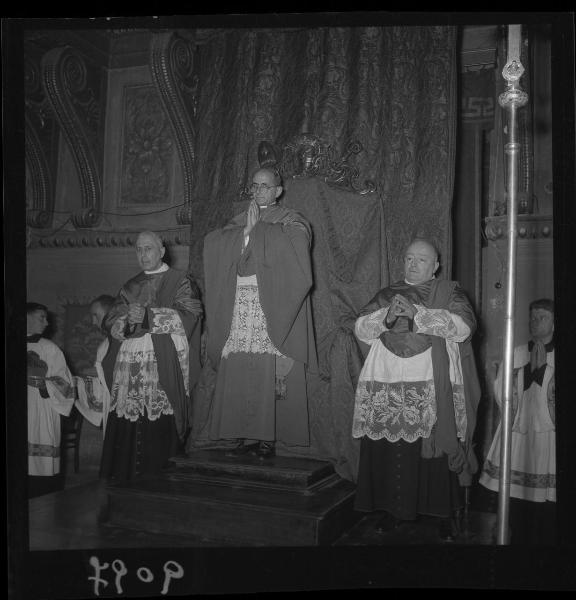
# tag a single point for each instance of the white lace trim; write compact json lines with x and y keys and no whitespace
{"x":136,"y":392}
{"x":396,"y":399}
{"x":394,"y":410}
{"x":249,"y":330}
{"x":440,"y":322}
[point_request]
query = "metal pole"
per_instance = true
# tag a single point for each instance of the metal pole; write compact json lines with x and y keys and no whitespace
{"x":511,"y":99}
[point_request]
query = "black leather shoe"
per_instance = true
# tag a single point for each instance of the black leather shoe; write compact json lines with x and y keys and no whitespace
{"x":446,"y":530}
{"x":387,"y":523}
{"x":241,"y":449}
{"x":266,"y":450}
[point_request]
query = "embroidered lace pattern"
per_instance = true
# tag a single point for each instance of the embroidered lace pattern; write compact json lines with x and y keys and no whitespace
{"x":400,"y":410}
{"x":43,"y":450}
{"x":371,"y":326}
{"x":136,"y":392}
{"x":166,"y":320}
{"x":435,"y":322}
{"x":249,"y":332}
{"x":531,"y":480}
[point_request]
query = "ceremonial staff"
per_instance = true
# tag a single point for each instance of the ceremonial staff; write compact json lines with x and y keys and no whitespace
{"x":511,"y":100}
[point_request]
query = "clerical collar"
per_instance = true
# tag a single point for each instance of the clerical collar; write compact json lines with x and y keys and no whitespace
{"x":410,"y":283}
{"x":32,"y":339}
{"x":161,"y":269}
{"x":268,"y":205}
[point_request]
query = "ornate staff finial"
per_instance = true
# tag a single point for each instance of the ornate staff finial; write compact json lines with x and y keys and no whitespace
{"x":512,"y":71}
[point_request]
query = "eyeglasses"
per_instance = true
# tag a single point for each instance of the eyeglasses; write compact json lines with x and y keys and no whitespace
{"x":257,"y":186}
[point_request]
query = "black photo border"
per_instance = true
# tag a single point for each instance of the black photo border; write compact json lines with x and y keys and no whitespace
{"x":70,"y":574}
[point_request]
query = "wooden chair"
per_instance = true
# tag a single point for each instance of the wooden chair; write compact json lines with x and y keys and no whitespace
{"x":71,"y":433}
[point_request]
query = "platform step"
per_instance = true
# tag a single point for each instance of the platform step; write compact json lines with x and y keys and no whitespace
{"x":292,"y":474}
{"x":287,"y":501}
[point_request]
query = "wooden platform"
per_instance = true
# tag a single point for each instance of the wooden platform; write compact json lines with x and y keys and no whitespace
{"x":282,"y":501}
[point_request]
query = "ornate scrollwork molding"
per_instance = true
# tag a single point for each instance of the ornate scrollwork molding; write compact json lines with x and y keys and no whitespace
{"x":307,"y":155}
{"x":184,"y":214}
{"x":103,"y":239}
{"x":172,"y":67}
{"x":39,"y":183}
{"x":85,"y":219}
{"x":64,"y":76}
{"x":39,"y":219}
{"x":528,"y":227}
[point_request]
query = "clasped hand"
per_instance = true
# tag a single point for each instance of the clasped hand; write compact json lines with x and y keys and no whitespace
{"x":401,"y":307}
{"x":252,"y":217}
{"x":136,"y":313}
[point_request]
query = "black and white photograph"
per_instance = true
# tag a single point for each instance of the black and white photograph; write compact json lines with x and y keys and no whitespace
{"x":296,"y":295}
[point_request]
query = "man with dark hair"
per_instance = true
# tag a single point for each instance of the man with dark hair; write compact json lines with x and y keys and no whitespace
{"x":416,"y":397}
{"x":533,"y":435}
{"x":99,"y":308}
{"x":50,"y":395}
{"x":260,"y":337}
{"x":156,"y":318}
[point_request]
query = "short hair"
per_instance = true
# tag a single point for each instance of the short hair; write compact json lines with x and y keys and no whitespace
{"x":105,"y":301}
{"x":544,"y":303}
{"x":276,"y":177}
{"x":32,"y":307}
{"x":424,"y":241}
{"x":154,"y":236}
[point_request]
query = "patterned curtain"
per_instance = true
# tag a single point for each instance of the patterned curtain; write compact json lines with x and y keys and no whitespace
{"x":393,"y":89}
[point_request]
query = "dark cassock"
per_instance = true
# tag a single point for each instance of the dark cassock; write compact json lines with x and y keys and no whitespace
{"x":156,"y":368}
{"x":259,"y":327}
{"x":416,"y":401}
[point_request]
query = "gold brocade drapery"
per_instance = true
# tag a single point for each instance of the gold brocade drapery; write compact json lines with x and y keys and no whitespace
{"x":393,"y":89}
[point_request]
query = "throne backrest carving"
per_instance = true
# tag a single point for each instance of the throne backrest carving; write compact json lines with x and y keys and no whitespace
{"x":308,"y":155}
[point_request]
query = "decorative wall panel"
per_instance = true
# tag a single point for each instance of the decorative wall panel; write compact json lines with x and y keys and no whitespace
{"x":143,"y":182}
{"x":147,"y":149}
